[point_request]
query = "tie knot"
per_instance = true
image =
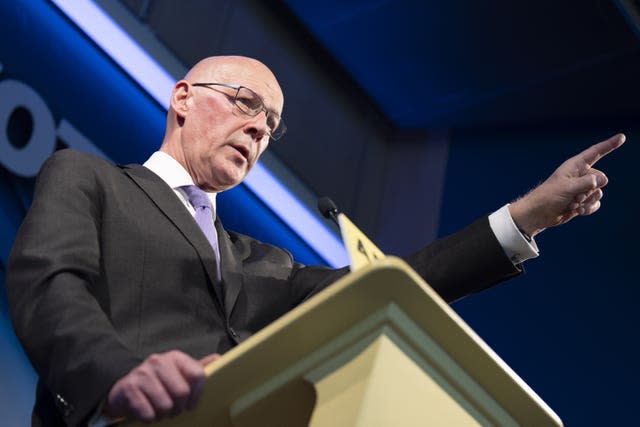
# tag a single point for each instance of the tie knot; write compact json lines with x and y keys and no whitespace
{"x":197,"y":197}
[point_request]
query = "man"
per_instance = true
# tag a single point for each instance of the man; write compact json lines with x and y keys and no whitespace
{"x":118,"y":296}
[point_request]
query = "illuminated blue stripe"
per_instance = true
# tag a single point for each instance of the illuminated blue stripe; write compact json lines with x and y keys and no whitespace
{"x":296,"y":215}
{"x":120,"y":47}
{"x":158,"y":84}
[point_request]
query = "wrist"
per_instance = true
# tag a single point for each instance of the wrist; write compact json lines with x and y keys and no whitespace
{"x":522,"y":216}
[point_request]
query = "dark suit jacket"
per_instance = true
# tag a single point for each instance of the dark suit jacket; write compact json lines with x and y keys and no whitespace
{"x":109,"y":267}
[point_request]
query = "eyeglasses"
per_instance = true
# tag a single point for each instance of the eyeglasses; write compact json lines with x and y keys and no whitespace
{"x":252,"y":104}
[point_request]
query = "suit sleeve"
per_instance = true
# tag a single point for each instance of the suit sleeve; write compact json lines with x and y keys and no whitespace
{"x":53,"y":289}
{"x":465,"y":262}
{"x":455,"y":266}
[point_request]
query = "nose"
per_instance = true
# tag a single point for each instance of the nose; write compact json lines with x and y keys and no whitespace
{"x":257,"y":126}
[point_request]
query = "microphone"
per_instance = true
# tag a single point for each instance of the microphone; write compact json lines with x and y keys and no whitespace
{"x":328,"y":209}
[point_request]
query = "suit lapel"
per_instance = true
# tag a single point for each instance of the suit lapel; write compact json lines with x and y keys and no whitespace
{"x":166,"y":200}
{"x":232,"y":270}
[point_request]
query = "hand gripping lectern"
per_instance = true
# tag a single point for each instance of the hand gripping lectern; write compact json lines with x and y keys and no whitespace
{"x":377,"y":348}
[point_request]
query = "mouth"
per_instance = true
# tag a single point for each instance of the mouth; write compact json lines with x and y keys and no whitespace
{"x":243,"y":150}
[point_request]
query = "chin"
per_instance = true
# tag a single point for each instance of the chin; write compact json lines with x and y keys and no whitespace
{"x":228,"y":182}
{"x":228,"y":175}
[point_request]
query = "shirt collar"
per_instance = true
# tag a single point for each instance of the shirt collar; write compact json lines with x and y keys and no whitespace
{"x":172,"y":172}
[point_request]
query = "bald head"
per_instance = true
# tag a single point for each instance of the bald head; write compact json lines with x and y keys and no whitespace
{"x":241,"y":70}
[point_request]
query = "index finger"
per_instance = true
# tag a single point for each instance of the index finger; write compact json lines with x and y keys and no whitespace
{"x":594,"y":153}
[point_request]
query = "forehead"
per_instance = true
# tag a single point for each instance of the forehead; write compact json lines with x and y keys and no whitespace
{"x":253,"y":75}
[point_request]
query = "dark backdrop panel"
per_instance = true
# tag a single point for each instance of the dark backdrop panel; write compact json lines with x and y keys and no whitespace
{"x":568,"y":326}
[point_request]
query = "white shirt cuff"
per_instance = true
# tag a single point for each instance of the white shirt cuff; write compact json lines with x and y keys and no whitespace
{"x":514,"y":244}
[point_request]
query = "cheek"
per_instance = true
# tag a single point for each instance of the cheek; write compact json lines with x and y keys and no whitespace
{"x":207,"y":121}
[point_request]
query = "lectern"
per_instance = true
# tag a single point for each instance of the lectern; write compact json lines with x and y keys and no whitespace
{"x":377,"y":348}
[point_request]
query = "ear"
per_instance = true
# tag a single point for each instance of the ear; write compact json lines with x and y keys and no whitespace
{"x":181,"y":98}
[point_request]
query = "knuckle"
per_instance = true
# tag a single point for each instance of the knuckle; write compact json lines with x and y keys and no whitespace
{"x":154,"y":359}
{"x":142,"y":374}
{"x":176,"y":354}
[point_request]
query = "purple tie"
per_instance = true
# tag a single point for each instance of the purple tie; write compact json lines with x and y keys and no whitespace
{"x":204,"y":217}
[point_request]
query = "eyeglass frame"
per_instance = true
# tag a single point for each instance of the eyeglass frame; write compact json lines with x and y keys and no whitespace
{"x":280,"y":130}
